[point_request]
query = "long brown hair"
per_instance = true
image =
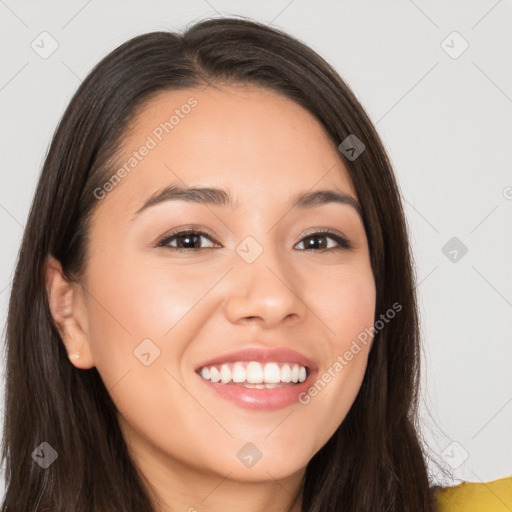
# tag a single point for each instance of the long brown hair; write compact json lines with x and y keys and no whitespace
{"x":375,"y":460}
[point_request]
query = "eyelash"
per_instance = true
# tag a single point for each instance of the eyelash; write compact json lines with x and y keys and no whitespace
{"x":342,"y":241}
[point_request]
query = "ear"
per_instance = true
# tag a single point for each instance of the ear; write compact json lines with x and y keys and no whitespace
{"x":69,"y":312}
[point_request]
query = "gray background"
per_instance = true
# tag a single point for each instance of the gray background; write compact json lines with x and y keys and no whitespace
{"x":445,"y":120}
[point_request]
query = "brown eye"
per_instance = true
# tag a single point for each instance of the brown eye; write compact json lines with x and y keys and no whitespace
{"x":311,"y":241}
{"x":185,"y":241}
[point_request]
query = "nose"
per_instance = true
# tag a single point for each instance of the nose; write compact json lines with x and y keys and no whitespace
{"x":265,"y":292}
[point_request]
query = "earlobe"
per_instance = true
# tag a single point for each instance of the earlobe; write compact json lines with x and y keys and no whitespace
{"x":69,"y":314}
{"x":74,"y":356}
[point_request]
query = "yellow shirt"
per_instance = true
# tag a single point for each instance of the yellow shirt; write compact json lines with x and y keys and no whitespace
{"x":495,"y":496}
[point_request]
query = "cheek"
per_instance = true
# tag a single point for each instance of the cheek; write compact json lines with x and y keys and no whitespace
{"x":139,"y":300}
{"x":127,"y":305}
{"x":345,"y":300}
{"x":134,"y":299}
{"x":346,"y":305}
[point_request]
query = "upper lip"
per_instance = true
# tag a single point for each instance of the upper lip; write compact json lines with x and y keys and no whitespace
{"x":261,"y":355}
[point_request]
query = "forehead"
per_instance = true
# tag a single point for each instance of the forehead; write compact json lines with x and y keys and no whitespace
{"x":255,"y":142}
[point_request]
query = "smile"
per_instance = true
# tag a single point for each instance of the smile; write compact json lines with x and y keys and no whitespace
{"x":255,"y":374}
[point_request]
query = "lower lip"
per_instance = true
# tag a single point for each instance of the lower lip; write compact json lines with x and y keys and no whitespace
{"x":261,"y":399}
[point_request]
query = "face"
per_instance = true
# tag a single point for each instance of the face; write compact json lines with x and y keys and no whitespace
{"x":253,"y":273}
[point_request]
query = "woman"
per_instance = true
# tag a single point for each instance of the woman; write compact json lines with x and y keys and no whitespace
{"x":214,"y":305}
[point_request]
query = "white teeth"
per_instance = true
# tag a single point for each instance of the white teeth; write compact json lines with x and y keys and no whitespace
{"x":238,"y":373}
{"x":272,"y":373}
{"x":286,"y":373}
{"x":225,"y":374}
{"x":295,"y":373}
{"x":254,"y":374}
{"x":214,"y":374}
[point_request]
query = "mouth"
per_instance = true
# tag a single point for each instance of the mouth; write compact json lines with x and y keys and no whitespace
{"x":256,"y":378}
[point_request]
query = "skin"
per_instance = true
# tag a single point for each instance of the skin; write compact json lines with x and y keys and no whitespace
{"x":264,"y":149}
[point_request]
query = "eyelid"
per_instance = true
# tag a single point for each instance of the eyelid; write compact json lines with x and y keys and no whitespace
{"x":163,"y":241}
{"x":196,"y":229}
{"x":344,"y":242}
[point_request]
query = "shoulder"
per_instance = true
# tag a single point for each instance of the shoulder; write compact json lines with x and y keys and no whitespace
{"x":494,"y":496}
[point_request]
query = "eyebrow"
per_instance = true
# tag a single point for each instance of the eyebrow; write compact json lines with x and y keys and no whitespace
{"x":220,"y":197}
